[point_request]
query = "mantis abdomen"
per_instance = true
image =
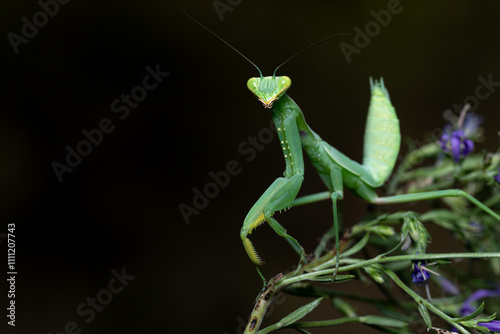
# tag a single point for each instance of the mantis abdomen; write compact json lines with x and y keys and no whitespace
{"x":382,"y":136}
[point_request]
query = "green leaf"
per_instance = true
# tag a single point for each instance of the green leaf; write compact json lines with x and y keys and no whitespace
{"x":293,"y":317}
{"x":382,"y":321}
{"x":472,"y":315}
{"x":473,"y":323}
{"x":374,"y":274}
{"x":425,"y":314}
{"x":344,"y":307}
{"x":357,"y":247}
{"x":382,"y":231}
{"x":439,"y":214}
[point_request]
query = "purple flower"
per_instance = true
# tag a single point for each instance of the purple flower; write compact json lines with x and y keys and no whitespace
{"x":493,"y":326}
{"x":457,"y":144}
{"x":497,"y":177}
{"x":467,"y":307}
{"x":420,"y":274}
{"x":448,"y":286}
{"x":455,"y":140}
{"x":476,"y":227}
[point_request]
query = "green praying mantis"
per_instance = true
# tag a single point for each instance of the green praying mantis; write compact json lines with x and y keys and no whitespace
{"x":381,"y":148}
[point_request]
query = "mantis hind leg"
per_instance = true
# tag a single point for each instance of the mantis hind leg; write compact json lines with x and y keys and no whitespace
{"x":433,"y":195}
{"x":338,"y":193}
{"x":337,"y":184}
{"x":335,"y":196}
{"x":322,"y":196}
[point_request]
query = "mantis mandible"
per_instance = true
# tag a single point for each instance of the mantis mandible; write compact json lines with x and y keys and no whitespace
{"x":381,"y":148}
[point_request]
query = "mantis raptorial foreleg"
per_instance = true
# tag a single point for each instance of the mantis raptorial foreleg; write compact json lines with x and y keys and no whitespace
{"x":280,"y":195}
{"x":277,"y":197}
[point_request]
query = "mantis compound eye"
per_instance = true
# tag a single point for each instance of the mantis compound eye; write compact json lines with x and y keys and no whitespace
{"x":253,"y":84}
{"x":283,"y":83}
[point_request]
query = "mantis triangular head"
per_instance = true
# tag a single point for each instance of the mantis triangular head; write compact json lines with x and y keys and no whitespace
{"x":269,"y":89}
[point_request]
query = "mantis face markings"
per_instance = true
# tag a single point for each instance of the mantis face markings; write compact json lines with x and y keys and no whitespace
{"x":269,"y":89}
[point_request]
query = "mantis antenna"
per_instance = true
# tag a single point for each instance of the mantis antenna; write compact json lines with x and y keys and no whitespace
{"x":232,"y":47}
{"x":311,"y":46}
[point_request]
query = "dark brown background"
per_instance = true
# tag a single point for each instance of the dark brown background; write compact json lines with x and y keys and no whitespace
{"x":119,"y":207}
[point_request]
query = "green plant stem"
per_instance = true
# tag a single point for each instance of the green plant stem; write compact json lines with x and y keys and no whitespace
{"x":419,"y":299}
{"x":265,"y":299}
{"x":325,"y":323}
{"x":278,"y":283}
{"x":362,"y":263}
